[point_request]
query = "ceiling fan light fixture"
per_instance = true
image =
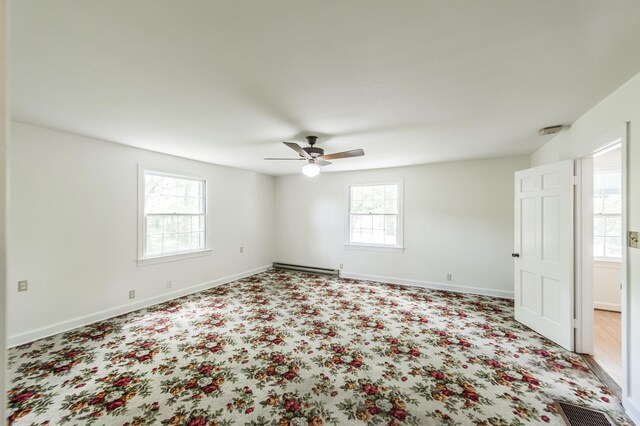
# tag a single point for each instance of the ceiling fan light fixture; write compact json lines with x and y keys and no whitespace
{"x":311,"y":169}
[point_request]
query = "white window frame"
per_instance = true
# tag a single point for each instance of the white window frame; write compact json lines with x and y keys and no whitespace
{"x":605,"y":258}
{"x":143,"y":258}
{"x":399,"y":247}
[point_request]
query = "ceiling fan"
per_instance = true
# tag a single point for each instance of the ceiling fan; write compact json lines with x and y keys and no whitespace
{"x":316,"y":157}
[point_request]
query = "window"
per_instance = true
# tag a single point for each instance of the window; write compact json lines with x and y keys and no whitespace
{"x":174,"y":215}
{"x":607,"y":211}
{"x":374,"y":215}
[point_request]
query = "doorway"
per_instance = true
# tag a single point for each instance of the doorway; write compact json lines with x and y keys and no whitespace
{"x":607,"y":259}
{"x":601,"y":256}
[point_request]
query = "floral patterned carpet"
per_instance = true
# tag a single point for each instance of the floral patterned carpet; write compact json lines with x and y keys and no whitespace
{"x":293,"y":349}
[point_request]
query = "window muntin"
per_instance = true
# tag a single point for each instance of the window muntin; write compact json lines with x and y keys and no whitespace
{"x":374,"y":215}
{"x":174,"y":214}
{"x":607,"y":214}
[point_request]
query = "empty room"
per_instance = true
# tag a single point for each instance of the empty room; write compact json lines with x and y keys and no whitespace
{"x":320,"y":213}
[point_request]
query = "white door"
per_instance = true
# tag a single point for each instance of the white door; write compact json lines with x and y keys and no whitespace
{"x":543,"y":256}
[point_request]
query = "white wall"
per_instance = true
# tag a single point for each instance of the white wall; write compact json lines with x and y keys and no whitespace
{"x":606,"y":285}
{"x":458,"y":219}
{"x":73,"y":210}
{"x":585,"y":136}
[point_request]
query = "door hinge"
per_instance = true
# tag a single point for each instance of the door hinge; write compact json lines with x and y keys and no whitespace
{"x":574,"y":323}
{"x":575,"y":180}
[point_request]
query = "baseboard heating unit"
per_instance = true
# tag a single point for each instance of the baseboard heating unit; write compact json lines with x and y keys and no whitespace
{"x":308,"y":269}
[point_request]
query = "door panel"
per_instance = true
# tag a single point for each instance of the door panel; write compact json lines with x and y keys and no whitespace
{"x":551,"y":233}
{"x":543,"y":272}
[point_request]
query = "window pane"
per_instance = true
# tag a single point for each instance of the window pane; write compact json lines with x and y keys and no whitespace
{"x":378,"y":206}
{"x":378,"y":192}
{"x":373,"y":210}
{"x":390,"y":239}
{"x":391,"y":206}
{"x":355,"y":222}
{"x":356,"y":193}
{"x":612,"y":183}
{"x":598,"y":205}
{"x":612,"y":204}
{"x":197,"y":223}
{"x":170,"y":224}
{"x":184,"y":241}
{"x":613,"y":226}
{"x":598,"y":180}
{"x":378,"y":236}
{"x":599,"y":226}
{"x":367,"y":193}
{"x":174,"y":214}
{"x":154,"y":244}
{"x":357,"y":206}
{"x":154,"y":225}
{"x":391,"y":191}
{"x":197,"y":240}
{"x":391,"y":223}
{"x":166,"y":194}
{"x":184,"y":223}
{"x":613,"y":247}
{"x":366,"y":222}
{"x":169,"y":243}
{"x":378,"y":222}
{"x":598,"y":246}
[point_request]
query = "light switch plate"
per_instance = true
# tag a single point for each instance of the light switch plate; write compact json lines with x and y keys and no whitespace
{"x":633,"y":239}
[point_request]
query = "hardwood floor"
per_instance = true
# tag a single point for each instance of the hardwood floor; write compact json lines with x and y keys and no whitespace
{"x":607,"y":343}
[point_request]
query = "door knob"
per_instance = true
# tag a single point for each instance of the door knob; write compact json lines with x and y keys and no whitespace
{"x":515,"y":254}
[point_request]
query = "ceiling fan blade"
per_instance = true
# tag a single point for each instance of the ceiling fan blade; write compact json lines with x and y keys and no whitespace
{"x":345,"y":154}
{"x":297,"y":148}
{"x":296,"y":159}
{"x":322,"y":162}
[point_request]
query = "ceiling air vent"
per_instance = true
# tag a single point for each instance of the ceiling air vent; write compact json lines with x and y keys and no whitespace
{"x":550,"y":130}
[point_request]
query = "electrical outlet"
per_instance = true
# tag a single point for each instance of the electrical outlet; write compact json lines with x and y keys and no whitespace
{"x":132,"y":294}
{"x":633,"y":239}
{"x":449,"y":278}
{"x":169,"y":284}
{"x":341,"y":266}
{"x":23,"y":285}
{"x":241,"y":249}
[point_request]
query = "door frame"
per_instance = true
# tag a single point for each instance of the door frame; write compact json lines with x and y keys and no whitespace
{"x":584,"y":250}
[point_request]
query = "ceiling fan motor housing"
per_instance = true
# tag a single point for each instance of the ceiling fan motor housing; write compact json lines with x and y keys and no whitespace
{"x":313,"y":151}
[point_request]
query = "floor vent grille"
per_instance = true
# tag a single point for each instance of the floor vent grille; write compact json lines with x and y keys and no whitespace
{"x":575,"y":415}
{"x":308,"y":269}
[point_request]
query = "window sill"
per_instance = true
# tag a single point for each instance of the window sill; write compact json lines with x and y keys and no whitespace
{"x":372,"y":247}
{"x":173,"y":257}
{"x":608,"y":259}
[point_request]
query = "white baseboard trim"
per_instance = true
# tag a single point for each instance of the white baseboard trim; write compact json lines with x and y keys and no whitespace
{"x":427,"y":284}
{"x":632,"y":410}
{"x":616,"y":307}
{"x":61,"y":327}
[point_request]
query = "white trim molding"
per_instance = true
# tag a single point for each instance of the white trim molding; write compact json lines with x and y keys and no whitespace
{"x":173,"y":257}
{"x":30,"y":336}
{"x":631,"y":409}
{"x":372,"y":247}
{"x":615,"y":307}
{"x":432,"y":285}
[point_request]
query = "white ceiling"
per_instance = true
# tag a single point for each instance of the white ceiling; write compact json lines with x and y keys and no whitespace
{"x":408,"y":81}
